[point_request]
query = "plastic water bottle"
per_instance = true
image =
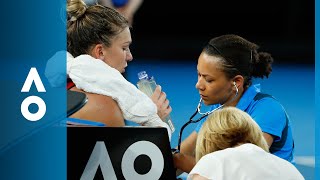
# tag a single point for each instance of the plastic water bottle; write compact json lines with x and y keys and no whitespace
{"x":147,"y":85}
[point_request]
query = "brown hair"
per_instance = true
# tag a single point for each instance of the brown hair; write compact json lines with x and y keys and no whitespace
{"x":91,"y":25}
{"x":228,"y":127}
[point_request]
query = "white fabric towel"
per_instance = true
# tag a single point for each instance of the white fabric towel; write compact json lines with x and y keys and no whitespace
{"x":94,"y":76}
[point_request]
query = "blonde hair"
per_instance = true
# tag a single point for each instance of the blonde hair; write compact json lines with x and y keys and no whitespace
{"x":91,"y":25}
{"x":228,"y":127}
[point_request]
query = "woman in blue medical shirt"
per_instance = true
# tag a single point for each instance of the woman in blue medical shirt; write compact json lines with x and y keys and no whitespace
{"x":228,"y":64}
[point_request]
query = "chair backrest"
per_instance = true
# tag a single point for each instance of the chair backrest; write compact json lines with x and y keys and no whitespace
{"x":75,"y":101}
{"x":119,"y":153}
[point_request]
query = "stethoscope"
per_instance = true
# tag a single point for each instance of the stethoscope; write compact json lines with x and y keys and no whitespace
{"x":203,"y":115}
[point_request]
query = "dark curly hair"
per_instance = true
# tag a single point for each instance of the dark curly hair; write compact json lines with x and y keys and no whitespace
{"x":240,"y":57}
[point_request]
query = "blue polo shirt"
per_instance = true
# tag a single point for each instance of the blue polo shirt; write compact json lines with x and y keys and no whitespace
{"x":271,"y":117}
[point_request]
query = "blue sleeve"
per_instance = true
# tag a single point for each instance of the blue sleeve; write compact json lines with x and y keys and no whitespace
{"x":83,"y":122}
{"x":270,"y":116}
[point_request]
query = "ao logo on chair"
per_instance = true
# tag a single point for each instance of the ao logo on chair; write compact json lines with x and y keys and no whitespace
{"x":100,"y":157}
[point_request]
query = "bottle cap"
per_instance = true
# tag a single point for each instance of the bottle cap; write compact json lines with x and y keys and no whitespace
{"x":142,"y":75}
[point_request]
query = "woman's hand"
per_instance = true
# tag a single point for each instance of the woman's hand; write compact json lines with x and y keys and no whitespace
{"x":162,"y":103}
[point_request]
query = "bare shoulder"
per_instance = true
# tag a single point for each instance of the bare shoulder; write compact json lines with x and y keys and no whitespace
{"x":100,"y":108}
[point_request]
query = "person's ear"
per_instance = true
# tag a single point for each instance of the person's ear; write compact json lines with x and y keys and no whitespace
{"x":238,"y":81}
{"x":97,"y":51}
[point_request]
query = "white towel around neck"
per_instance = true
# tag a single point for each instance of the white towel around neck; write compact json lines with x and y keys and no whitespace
{"x":94,"y":76}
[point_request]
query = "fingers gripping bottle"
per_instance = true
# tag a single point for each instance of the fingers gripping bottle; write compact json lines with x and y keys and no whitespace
{"x":147,"y":85}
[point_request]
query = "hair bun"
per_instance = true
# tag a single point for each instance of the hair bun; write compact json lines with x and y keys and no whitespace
{"x":262,"y":65}
{"x":75,"y":9}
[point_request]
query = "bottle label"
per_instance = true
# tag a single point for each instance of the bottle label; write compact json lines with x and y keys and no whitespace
{"x":169,"y":122}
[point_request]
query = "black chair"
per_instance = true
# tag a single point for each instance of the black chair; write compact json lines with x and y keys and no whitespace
{"x":75,"y":101}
